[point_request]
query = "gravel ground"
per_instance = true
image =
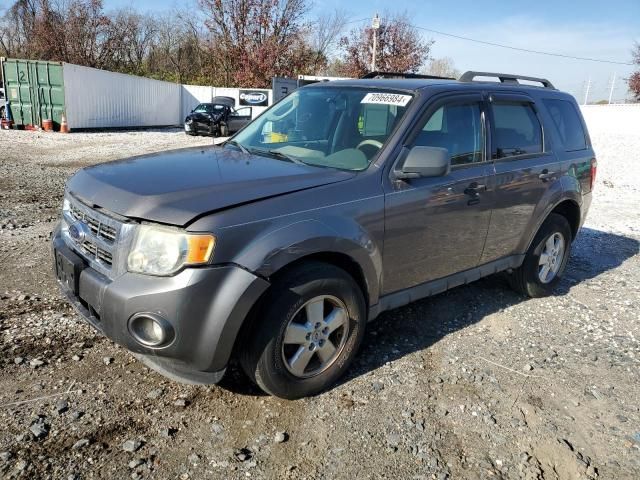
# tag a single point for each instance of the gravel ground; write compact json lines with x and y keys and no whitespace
{"x":477,"y":382}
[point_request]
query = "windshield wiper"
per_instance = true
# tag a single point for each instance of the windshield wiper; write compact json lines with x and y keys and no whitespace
{"x":237,"y":144}
{"x":279,"y":154}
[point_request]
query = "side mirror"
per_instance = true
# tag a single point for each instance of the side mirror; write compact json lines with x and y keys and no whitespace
{"x":425,"y":162}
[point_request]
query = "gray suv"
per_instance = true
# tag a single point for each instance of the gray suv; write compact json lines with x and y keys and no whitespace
{"x":343,"y":200}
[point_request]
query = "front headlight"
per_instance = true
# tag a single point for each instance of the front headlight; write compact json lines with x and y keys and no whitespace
{"x":163,"y":251}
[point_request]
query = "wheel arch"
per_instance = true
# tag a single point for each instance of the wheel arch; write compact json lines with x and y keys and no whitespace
{"x":568,"y":208}
{"x":337,"y":259}
{"x":571,"y":211}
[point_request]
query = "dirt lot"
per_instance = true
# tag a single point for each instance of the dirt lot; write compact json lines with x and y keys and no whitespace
{"x":478,"y":382}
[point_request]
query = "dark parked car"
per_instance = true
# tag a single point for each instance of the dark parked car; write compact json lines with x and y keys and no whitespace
{"x":343,"y":200}
{"x":218,"y":118}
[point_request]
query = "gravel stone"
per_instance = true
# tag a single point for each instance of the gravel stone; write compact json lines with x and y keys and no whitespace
{"x":62,"y":406}
{"x":280,"y":437}
{"x":83,"y":442}
{"x":155,"y":394}
{"x":39,"y":430}
{"x":36,"y":362}
{"x":131,"y":446}
{"x":136,"y":463}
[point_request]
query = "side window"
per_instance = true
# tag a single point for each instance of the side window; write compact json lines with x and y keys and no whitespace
{"x":517,"y":130}
{"x":241,"y":112}
{"x":458,"y":128}
{"x":567,"y":123}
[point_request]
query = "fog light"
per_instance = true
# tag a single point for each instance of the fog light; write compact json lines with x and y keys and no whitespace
{"x":150,"y":329}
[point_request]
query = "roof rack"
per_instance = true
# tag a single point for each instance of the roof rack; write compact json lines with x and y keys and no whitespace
{"x":504,"y":78}
{"x":379,"y":74}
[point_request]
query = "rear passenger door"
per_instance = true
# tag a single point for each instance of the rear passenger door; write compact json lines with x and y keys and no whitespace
{"x":436,"y":226}
{"x":526,"y":172}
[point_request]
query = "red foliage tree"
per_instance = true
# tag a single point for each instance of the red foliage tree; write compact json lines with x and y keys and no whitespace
{"x":634,"y":80}
{"x":400,"y":48}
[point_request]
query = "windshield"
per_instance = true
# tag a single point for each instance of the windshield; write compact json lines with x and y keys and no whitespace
{"x":207,"y":107}
{"x":339,"y":127}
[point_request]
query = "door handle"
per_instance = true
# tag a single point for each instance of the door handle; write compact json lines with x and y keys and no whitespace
{"x":474,"y":189}
{"x":546,"y":175}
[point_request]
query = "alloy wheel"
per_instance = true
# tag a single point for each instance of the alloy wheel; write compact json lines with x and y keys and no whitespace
{"x":551,"y":257}
{"x":315,"y":336}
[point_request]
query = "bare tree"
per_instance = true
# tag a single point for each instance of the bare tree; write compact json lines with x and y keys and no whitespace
{"x":441,"y":67}
{"x":323,"y":37}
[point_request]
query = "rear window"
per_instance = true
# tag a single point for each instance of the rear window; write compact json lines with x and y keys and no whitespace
{"x":517,"y":130}
{"x":567,"y":123}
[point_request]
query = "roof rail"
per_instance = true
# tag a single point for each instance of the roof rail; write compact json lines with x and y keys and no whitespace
{"x":379,"y":74}
{"x":504,"y":78}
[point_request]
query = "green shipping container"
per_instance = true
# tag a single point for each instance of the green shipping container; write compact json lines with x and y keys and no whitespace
{"x":34,"y":90}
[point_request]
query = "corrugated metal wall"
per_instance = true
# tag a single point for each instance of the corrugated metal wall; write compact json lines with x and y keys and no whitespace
{"x":101,"y":99}
{"x":191,"y":96}
{"x":93,"y":98}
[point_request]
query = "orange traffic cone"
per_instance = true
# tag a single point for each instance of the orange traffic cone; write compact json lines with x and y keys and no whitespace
{"x":64,"y":126}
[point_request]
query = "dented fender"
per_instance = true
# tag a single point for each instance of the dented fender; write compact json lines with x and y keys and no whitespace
{"x":275,"y":249}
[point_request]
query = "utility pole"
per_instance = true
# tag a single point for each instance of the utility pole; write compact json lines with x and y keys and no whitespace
{"x":613,"y":83}
{"x":586,"y":93}
{"x":375,"y":25}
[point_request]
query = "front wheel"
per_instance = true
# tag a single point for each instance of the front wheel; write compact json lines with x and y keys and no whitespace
{"x":545,"y":260}
{"x":307,"y":332}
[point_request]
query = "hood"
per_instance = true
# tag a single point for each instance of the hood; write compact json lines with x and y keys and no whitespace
{"x":175,"y":187}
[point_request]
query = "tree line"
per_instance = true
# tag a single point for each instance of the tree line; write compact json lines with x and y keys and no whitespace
{"x":222,"y":42}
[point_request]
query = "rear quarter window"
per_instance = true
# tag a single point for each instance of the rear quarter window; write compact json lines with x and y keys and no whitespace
{"x":568,"y":124}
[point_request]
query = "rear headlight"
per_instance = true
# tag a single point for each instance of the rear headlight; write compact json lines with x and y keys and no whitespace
{"x":594,"y":168}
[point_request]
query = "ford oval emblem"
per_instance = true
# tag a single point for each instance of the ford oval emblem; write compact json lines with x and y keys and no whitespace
{"x":78,"y":232}
{"x":253,"y":97}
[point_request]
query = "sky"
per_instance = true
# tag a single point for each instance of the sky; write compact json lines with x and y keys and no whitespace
{"x":585,"y":28}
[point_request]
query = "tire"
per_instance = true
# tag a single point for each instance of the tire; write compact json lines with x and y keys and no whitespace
{"x":275,"y":352}
{"x":530,"y":279}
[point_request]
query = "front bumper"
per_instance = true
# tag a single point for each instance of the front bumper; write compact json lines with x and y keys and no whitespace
{"x":205,"y":306}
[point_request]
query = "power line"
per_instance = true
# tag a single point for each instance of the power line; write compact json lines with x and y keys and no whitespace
{"x":510,"y":47}
{"x":539,"y":52}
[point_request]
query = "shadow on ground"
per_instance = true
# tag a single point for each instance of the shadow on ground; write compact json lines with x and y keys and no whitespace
{"x":421,"y":324}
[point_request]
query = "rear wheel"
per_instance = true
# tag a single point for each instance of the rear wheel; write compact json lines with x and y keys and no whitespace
{"x":307,"y":332}
{"x":546,"y":259}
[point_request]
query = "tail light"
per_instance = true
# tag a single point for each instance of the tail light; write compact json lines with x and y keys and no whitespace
{"x":594,"y":168}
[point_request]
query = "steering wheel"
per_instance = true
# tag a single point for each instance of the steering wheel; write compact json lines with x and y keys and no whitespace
{"x":370,"y":142}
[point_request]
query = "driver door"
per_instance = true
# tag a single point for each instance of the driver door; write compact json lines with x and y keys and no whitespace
{"x":238,"y":119}
{"x":437,"y":226}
